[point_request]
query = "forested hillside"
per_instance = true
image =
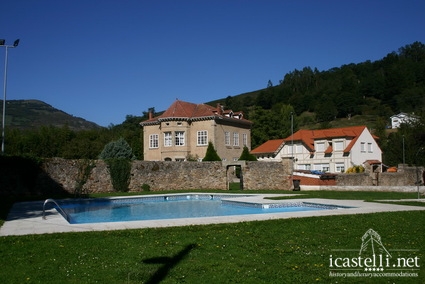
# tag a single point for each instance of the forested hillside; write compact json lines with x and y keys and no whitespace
{"x":366,"y":93}
{"x":30,"y":114}
{"x":373,"y":90}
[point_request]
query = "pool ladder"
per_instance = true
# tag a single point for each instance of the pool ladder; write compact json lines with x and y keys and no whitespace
{"x":58,"y":208}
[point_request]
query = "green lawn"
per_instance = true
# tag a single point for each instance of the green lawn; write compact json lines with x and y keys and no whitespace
{"x":275,"y":251}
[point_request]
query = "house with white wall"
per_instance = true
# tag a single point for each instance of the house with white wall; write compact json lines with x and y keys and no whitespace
{"x":331,"y":150}
{"x":402,"y":117}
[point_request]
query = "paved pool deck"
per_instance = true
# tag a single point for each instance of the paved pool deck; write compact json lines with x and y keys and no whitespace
{"x":25,"y":218}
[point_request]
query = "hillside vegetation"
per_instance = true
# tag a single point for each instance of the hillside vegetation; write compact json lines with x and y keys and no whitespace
{"x":30,"y":114}
{"x":366,"y":93}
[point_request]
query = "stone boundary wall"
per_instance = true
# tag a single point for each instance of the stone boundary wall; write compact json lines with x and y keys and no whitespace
{"x":163,"y":175}
{"x":267,"y":175}
{"x":406,"y":176}
{"x":67,"y":176}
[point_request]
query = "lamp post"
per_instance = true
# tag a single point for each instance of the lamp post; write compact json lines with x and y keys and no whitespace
{"x":418,"y":181}
{"x":3,"y":43}
{"x":404,"y":160}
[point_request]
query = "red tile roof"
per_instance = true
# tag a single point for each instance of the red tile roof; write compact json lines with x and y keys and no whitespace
{"x":190,"y":111}
{"x":307,"y":137}
{"x":271,"y":146}
{"x":181,"y":109}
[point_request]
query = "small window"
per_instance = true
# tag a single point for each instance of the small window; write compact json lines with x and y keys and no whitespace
{"x":168,"y":139}
{"x":290,"y":149}
{"x":363,"y":147}
{"x":236,"y":139}
{"x":153,"y":141}
{"x":321,"y":167}
{"x":202,"y":138}
{"x":369,"y":147}
{"x":320,"y":147}
{"x":298,"y":148}
{"x":245,"y":139}
{"x":339,"y":167}
{"x":179,"y":138}
{"x":339,"y":146}
{"x":227,"y":138}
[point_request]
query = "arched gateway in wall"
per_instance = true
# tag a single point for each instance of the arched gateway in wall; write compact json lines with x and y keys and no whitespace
{"x":234,"y":173}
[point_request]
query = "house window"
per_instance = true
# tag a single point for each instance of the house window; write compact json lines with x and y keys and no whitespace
{"x":168,"y":139}
{"x":245,"y":139}
{"x":339,"y":167}
{"x":227,"y":138}
{"x":321,"y":167}
{"x":304,"y":167}
{"x":179,"y":138}
{"x":362,"y":147}
{"x":369,"y":147}
{"x":338,"y":146}
{"x":236,"y":139}
{"x":153,"y":141}
{"x":202,"y":138}
{"x":298,"y":148}
{"x":290,"y":149}
{"x":320,"y":146}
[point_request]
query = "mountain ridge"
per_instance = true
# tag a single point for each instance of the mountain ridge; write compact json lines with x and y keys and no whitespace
{"x":32,"y":113}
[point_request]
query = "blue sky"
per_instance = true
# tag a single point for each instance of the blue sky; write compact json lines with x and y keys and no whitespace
{"x":102,"y":59}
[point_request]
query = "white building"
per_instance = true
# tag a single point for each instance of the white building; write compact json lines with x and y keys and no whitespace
{"x":328,"y":150}
{"x":398,"y":119}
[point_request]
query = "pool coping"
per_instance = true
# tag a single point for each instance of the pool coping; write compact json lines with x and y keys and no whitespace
{"x":25,"y":218}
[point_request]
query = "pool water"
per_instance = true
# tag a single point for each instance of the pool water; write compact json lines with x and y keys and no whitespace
{"x":134,"y":209}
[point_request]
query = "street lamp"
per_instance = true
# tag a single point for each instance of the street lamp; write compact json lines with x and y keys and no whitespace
{"x":404,"y":160}
{"x":3,"y":43}
{"x":418,"y":180}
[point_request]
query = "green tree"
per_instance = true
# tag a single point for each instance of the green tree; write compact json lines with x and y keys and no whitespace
{"x":246,"y":155}
{"x":118,"y":149}
{"x":211,"y":154}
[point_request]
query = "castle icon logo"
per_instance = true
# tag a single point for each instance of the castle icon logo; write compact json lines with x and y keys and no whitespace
{"x":372,"y":245}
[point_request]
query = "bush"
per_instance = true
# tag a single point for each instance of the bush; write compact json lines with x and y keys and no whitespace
{"x":211,"y":154}
{"x":119,"y":169}
{"x":118,"y":149}
{"x":117,"y":154}
{"x":355,"y":169}
{"x":146,"y":187}
{"x":246,"y":155}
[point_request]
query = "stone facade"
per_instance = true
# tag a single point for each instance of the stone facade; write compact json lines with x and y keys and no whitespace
{"x":58,"y":176}
{"x":183,"y":131}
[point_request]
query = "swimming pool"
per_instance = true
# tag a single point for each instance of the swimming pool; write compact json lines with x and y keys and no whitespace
{"x":83,"y":211}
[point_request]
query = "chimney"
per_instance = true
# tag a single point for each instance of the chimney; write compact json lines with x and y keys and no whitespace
{"x":220,"y":109}
{"x":150,"y":114}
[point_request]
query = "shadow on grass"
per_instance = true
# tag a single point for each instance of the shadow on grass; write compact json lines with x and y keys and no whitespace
{"x":168,"y":264}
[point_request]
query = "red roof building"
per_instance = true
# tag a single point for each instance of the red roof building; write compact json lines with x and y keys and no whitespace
{"x":183,"y":131}
{"x":327,"y":150}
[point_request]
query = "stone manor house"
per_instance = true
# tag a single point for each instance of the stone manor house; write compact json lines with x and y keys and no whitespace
{"x":183,"y":131}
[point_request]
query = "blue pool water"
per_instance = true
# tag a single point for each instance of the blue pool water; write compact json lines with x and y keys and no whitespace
{"x":169,"y":207}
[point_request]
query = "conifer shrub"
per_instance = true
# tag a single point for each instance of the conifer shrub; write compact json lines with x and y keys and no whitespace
{"x":246,"y":155}
{"x":118,"y":155}
{"x":119,"y":170}
{"x":211,"y":154}
{"x":118,"y":149}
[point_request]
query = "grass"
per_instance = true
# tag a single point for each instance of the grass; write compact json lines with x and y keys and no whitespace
{"x":274,"y":251}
